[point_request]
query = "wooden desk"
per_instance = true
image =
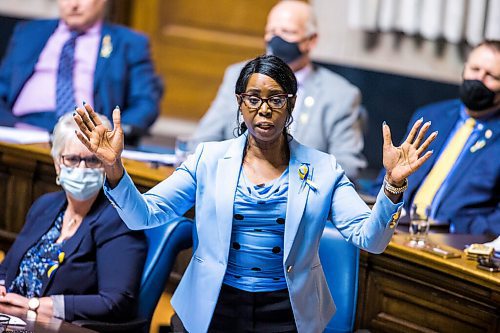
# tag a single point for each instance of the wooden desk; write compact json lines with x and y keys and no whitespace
{"x":27,"y":172}
{"x":408,"y":290}
{"x":40,"y":324}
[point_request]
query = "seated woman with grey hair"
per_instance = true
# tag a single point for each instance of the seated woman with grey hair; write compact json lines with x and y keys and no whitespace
{"x":74,"y":258}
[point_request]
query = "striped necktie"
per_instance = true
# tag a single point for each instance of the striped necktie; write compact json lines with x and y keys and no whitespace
{"x":65,"y":92}
{"x":427,"y":191}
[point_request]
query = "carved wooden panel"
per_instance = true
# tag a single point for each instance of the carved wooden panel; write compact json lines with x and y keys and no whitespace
{"x":193,"y":41}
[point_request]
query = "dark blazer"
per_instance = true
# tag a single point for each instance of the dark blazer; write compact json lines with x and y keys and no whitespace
{"x":471,"y":203}
{"x":124,"y":76}
{"x":101,"y":271}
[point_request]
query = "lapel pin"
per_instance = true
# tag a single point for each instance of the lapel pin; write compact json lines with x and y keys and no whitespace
{"x":478,"y":145}
{"x":305,"y":176}
{"x":488,"y":134}
{"x":309,"y":101}
{"x":106,"y":46}
{"x":61,"y":257}
{"x":52,"y":269}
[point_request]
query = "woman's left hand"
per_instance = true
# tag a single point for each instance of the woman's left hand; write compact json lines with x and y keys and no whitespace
{"x":402,"y":161}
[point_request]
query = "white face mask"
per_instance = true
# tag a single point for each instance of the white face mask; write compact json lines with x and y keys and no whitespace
{"x":81,"y":183}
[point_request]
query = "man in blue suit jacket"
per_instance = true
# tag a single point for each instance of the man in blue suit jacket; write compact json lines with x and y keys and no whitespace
{"x":468,"y":200}
{"x":123,"y":73}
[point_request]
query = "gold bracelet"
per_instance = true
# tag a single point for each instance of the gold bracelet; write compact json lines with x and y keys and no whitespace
{"x":393,"y":189}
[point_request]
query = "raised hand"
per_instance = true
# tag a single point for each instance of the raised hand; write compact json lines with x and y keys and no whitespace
{"x":106,"y":144}
{"x":402,"y":161}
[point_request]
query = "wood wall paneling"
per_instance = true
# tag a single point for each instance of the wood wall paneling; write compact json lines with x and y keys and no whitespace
{"x":193,"y":41}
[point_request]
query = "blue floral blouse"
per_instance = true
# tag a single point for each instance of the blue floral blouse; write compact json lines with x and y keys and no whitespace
{"x":38,"y":261}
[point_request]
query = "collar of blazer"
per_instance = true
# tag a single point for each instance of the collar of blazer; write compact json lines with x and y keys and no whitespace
{"x":228,"y":169}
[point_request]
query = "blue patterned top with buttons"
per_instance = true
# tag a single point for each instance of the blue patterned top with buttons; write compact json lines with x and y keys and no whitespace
{"x":255,"y":261}
{"x":41,"y":259}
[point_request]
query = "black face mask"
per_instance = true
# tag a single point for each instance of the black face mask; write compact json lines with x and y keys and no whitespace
{"x":476,"y":96}
{"x":286,"y":51}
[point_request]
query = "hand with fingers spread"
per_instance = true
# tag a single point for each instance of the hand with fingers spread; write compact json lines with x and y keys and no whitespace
{"x":105,"y":143}
{"x":400,"y":162}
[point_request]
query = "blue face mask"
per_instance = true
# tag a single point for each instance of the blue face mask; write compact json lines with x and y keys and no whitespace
{"x":81,"y":183}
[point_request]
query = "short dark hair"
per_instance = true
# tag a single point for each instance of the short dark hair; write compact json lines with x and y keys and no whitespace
{"x":277,"y":70}
{"x":492,"y":44}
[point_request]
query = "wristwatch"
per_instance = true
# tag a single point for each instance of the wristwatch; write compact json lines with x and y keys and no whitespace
{"x":34,"y":304}
{"x":394,"y":189}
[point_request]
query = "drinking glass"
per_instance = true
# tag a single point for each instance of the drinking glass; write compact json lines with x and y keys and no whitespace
{"x":182,"y":148}
{"x":419,"y":227}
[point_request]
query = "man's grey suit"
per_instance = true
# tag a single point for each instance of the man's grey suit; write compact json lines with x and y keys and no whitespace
{"x":328,"y":116}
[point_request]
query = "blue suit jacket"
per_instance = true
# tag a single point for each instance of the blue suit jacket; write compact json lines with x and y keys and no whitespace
{"x":471,"y":203}
{"x":125,"y":78}
{"x":209,"y":179}
{"x":101,"y":271}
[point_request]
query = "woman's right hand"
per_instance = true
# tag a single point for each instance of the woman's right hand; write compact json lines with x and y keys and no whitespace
{"x":106,"y":144}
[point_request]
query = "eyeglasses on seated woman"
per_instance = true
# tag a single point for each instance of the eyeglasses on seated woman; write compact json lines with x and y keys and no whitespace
{"x":74,"y":258}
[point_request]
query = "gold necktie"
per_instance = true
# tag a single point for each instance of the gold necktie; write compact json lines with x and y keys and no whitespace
{"x":439,"y":172}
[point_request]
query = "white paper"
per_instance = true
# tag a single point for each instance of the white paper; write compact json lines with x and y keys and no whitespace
{"x":24,"y":136}
{"x":494,"y":244}
{"x":14,"y":321}
{"x":168,"y":159}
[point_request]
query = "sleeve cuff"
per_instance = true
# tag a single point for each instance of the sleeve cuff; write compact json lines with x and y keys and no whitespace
{"x":389,"y":210}
{"x":115,"y":195}
{"x":58,"y":306}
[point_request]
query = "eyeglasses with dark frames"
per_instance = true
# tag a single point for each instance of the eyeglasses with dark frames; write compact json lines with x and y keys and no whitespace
{"x":73,"y":161}
{"x":275,"y":102}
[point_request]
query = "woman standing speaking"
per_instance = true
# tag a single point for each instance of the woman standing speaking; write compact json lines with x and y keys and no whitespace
{"x":261,"y":203}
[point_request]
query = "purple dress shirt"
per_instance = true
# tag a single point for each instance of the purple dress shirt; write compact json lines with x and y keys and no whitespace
{"x":39,"y":92}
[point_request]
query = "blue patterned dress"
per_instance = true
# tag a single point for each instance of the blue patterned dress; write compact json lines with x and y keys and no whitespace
{"x":37,"y":262}
{"x":255,"y":262}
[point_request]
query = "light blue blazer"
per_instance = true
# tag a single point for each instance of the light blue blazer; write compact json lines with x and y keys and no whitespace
{"x":208,"y":180}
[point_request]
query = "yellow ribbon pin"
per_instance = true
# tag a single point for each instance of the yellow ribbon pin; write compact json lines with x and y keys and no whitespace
{"x":478,"y":145}
{"x":106,"y":46}
{"x":304,"y":176}
{"x":52,"y":269}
